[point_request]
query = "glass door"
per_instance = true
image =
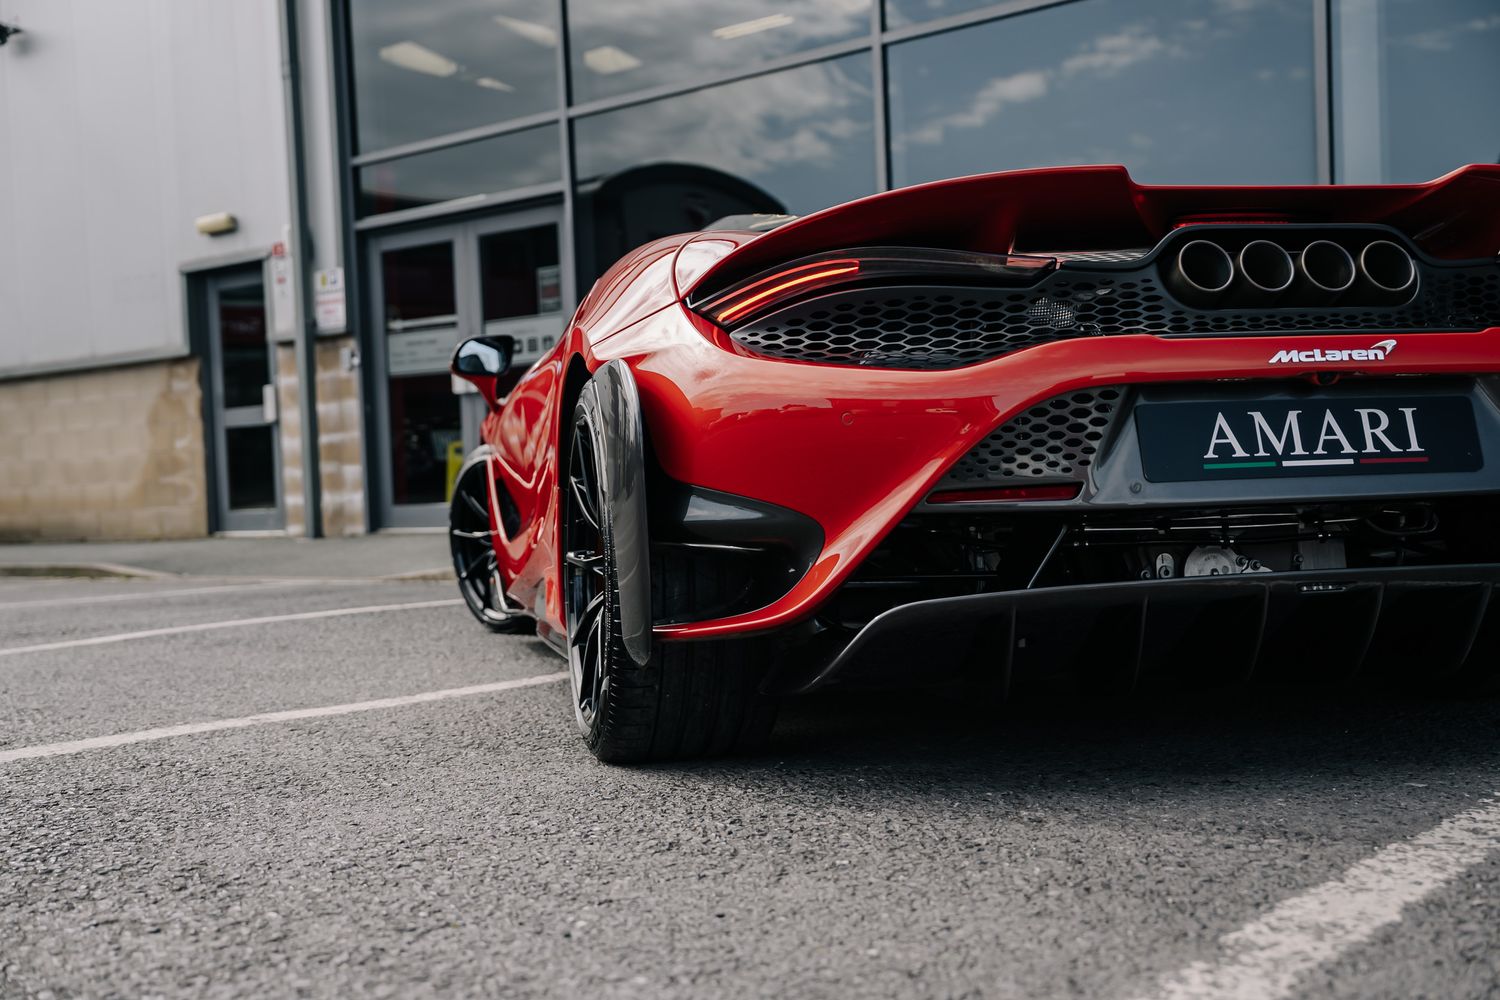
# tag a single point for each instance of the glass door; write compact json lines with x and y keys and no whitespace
{"x":417,"y":326}
{"x":432,"y":289}
{"x":247,"y":465}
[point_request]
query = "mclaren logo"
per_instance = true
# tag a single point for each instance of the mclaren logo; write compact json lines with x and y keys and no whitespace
{"x":1375,"y":352}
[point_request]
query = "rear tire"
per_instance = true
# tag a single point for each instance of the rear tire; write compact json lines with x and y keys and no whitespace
{"x":691,"y":699}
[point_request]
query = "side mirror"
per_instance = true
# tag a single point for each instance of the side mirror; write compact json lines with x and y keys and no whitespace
{"x":483,"y":361}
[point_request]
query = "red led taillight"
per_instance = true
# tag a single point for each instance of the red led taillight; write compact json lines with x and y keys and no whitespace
{"x":798,"y":278}
{"x":864,"y":267}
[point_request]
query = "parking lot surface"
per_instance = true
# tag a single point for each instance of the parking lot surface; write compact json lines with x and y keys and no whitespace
{"x":214,"y":787}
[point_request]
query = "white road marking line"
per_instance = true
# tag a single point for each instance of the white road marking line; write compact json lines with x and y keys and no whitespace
{"x":1264,"y":959}
{"x":100,"y":640}
{"x":267,"y":718}
{"x":146,"y":595}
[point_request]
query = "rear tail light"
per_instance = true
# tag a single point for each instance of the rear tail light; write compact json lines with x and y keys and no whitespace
{"x":818,"y":274}
{"x":785,"y":285}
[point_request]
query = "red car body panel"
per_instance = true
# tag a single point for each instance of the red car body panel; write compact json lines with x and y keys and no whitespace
{"x":857,"y":448}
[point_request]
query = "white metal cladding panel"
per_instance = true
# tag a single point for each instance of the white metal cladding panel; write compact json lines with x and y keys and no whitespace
{"x":120,"y":123}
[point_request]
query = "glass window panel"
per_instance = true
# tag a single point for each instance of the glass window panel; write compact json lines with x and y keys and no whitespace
{"x":518,"y":273}
{"x":418,"y":284}
{"x":1415,"y":85}
{"x":899,"y":13}
{"x":519,"y":159}
{"x":803,"y":136}
{"x":251,"y":453}
{"x":520,"y":292}
{"x":425,"y":423}
{"x":244,"y":357}
{"x":1180,"y":91}
{"x":421,"y":331}
{"x":440,"y":66}
{"x":623,"y":45}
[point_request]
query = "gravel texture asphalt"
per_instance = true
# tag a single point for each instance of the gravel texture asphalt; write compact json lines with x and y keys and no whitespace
{"x":887,"y":845}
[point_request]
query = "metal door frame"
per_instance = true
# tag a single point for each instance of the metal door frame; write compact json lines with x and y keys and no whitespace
{"x":222,"y":418}
{"x":463,"y":237}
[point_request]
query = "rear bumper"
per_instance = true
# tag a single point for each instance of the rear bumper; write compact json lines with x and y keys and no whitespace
{"x":1324,"y":626}
{"x":857,"y":450}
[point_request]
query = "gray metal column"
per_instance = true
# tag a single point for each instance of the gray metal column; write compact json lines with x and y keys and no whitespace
{"x":304,"y":331}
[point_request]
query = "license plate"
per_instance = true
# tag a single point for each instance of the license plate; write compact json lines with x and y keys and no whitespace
{"x":1266,"y":439}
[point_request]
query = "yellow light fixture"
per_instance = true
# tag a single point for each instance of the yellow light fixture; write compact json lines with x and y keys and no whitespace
{"x":216,"y":224}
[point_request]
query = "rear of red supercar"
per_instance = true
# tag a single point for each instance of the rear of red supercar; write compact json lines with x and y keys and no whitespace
{"x":1041,"y":428}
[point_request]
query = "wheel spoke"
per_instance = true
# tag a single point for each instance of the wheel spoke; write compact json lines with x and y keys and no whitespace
{"x":469,"y":567}
{"x":476,"y":506}
{"x":575,"y":667}
{"x":596,"y":639}
{"x":591,"y":561}
{"x":586,"y":487}
{"x":588,"y":668}
{"x":472,"y":535}
{"x":586,"y":621}
{"x":581,"y":503}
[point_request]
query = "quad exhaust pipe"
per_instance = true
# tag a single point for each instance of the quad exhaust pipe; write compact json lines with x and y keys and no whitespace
{"x":1265,"y":273}
{"x":1326,"y":270}
{"x":1388,"y":269}
{"x":1202,"y":272}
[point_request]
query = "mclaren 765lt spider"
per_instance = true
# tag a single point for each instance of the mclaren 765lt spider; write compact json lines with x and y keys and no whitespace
{"x":1046,"y":429}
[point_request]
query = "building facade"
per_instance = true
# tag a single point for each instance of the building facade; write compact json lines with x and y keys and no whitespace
{"x":404,"y":175}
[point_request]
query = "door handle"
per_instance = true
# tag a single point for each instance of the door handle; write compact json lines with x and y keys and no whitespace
{"x":268,"y":402}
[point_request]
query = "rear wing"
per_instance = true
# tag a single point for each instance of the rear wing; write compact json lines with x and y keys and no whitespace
{"x":1095,"y":208}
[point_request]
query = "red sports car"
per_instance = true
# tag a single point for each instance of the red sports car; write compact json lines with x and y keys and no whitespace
{"x":1048,"y":428}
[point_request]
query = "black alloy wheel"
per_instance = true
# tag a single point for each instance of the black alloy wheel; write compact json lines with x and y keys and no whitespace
{"x":588,"y":593}
{"x":472,"y":543}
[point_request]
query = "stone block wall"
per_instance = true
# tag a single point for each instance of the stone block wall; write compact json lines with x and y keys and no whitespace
{"x":109,"y":454}
{"x":340,"y":439}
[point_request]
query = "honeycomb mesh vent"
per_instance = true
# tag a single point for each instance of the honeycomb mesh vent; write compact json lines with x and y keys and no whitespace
{"x":937,"y":327}
{"x":1058,"y":438}
{"x":1094,"y":256}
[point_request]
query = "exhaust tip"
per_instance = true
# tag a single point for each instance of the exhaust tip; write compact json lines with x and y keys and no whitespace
{"x":1267,"y":266}
{"x":1388,"y":266}
{"x":1205,"y":267}
{"x":1327,"y":266}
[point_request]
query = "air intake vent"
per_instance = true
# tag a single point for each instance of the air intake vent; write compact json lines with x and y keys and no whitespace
{"x":932,"y":327}
{"x":1057,"y":439}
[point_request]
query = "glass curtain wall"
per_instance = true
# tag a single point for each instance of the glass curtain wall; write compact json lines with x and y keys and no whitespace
{"x":803,"y":136}
{"x":427,"y":69}
{"x":693,"y":107}
{"x":1414,"y":84}
{"x":1187,"y":91}
{"x":619,"y":46}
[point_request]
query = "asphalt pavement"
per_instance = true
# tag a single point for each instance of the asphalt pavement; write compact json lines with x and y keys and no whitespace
{"x":384,"y":554}
{"x":215,"y":787}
